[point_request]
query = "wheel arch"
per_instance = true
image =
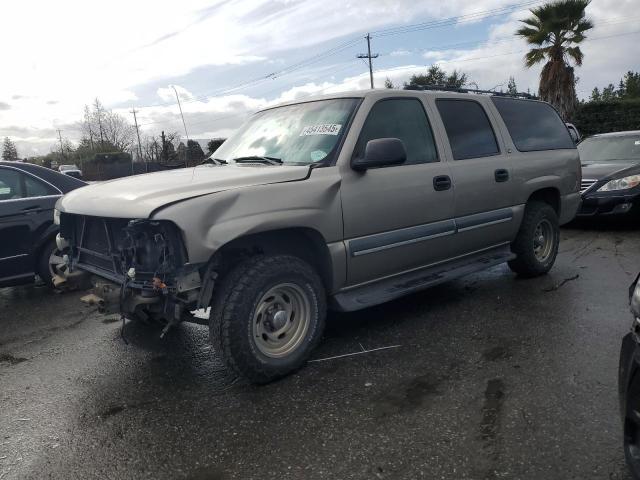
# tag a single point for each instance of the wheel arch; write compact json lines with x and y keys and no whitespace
{"x":305,"y":243}
{"x":44,"y":238}
{"x":548,"y":195}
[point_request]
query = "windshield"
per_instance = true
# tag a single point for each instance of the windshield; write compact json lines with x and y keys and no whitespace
{"x":298,"y":134}
{"x":610,"y":149}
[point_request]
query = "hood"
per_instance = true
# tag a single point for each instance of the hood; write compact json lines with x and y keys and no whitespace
{"x":598,"y":171}
{"x":140,"y":195}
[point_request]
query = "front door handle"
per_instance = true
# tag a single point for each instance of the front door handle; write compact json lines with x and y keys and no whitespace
{"x":501,"y":175}
{"x":441,"y":182}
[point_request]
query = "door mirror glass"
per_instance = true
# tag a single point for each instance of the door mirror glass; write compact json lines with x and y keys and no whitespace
{"x":381,"y":152}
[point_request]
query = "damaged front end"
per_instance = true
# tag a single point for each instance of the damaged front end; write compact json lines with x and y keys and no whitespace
{"x":138,"y":268}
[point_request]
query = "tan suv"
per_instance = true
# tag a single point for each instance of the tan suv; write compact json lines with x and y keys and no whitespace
{"x":342,"y":201}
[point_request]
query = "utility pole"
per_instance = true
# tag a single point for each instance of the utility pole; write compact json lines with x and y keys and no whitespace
{"x":61,"y":147}
{"x":186,"y":153}
{"x":369,"y":57}
{"x":135,"y":119}
{"x":98,"y":108}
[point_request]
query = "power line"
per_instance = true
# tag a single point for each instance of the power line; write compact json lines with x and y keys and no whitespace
{"x":470,"y":17}
{"x":351,"y":43}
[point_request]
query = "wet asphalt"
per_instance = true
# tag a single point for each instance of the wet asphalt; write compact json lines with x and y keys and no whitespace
{"x":492,"y":377}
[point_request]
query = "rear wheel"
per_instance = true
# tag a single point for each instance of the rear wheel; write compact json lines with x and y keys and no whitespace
{"x":267,"y":315}
{"x":536,"y":245}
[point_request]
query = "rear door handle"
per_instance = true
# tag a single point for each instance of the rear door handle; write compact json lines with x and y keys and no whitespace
{"x":501,"y":175}
{"x":441,"y":182}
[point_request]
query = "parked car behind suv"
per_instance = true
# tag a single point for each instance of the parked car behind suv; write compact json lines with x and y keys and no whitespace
{"x":611,"y":171}
{"x":342,"y":202}
{"x":71,"y":170}
{"x":28,"y":194}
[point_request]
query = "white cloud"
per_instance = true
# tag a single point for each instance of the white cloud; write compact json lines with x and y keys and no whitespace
{"x":100,"y":50}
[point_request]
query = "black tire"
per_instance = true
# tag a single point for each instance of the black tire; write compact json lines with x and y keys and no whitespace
{"x":240,"y":296}
{"x":43,"y":266}
{"x":528,"y":263}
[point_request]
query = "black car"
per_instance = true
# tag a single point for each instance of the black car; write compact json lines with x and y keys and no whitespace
{"x":629,"y":384}
{"x":28,"y":194}
{"x":610,"y":174}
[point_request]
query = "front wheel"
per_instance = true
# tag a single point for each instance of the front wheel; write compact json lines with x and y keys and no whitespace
{"x":267,"y":315}
{"x":536,"y":245}
{"x":50,"y":262}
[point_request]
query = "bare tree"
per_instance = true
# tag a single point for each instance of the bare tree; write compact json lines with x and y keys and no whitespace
{"x":160,"y":148}
{"x":118,"y":131}
{"x":106,"y":130}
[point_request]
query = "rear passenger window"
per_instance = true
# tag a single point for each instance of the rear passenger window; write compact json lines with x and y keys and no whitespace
{"x":36,"y":188}
{"x":402,"y":118}
{"x":468,"y":128}
{"x":533,"y":125}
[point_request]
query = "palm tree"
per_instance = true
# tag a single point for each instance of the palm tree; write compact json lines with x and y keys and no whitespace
{"x":556,"y":29}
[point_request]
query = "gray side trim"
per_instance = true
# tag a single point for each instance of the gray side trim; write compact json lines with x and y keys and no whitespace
{"x":405,"y":236}
{"x":484,"y":219}
{"x":419,"y":233}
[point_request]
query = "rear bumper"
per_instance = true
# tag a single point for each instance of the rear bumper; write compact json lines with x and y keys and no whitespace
{"x":609,"y":205}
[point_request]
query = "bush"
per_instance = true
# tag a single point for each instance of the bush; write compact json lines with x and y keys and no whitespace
{"x":609,"y":116}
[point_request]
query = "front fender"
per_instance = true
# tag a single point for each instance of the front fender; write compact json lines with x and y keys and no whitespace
{"x":212,"y":221}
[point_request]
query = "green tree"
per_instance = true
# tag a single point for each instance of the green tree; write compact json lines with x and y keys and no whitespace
{"x":512,"y":89}
{"x":214,"y":144}
{"x":608,"y":93}
{"x":388,"y":83}
{"x":436,"y":76}
{"x":9,"y":150}
{"x":621,"y":89}
{"x":195,"y":154}
{"x":632,"y":85}
{"x":554,"y":31}
{"x":595,"y":95}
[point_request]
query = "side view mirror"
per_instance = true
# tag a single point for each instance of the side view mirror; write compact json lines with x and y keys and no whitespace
{"x":381,"y":152}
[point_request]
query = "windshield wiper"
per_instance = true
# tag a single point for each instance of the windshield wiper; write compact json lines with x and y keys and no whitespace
{"x":258,"y":159}
{"x":217,"y":161}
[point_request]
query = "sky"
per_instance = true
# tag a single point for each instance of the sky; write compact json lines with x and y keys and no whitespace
{"x":229,"y":58}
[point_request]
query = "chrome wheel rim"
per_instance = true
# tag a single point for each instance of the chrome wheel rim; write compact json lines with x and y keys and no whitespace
{"x":281,"y":320}
{"x":56,"y":263}
{"x":543,"y":239}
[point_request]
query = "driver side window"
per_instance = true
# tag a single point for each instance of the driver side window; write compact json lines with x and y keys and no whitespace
{"x":402,"y":118}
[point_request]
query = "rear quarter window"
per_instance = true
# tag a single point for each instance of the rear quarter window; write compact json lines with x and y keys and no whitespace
{"x":533,"y":126}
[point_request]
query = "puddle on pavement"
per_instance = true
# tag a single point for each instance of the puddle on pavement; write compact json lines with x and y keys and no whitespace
{"x":407,"y":396}
{"x":10,"y":359}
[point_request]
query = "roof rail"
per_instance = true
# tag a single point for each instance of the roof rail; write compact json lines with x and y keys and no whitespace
{"x":449,"y":88}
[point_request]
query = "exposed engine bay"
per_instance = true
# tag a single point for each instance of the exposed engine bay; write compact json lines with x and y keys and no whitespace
{"x":139,"y":267}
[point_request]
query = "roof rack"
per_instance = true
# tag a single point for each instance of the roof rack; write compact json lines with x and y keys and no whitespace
{"x":448,"y":88}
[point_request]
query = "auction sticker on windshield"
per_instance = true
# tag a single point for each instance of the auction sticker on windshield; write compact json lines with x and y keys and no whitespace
{"x":322,"y":129}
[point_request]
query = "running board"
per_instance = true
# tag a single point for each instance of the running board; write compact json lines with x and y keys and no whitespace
{"x":391,"y":288}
